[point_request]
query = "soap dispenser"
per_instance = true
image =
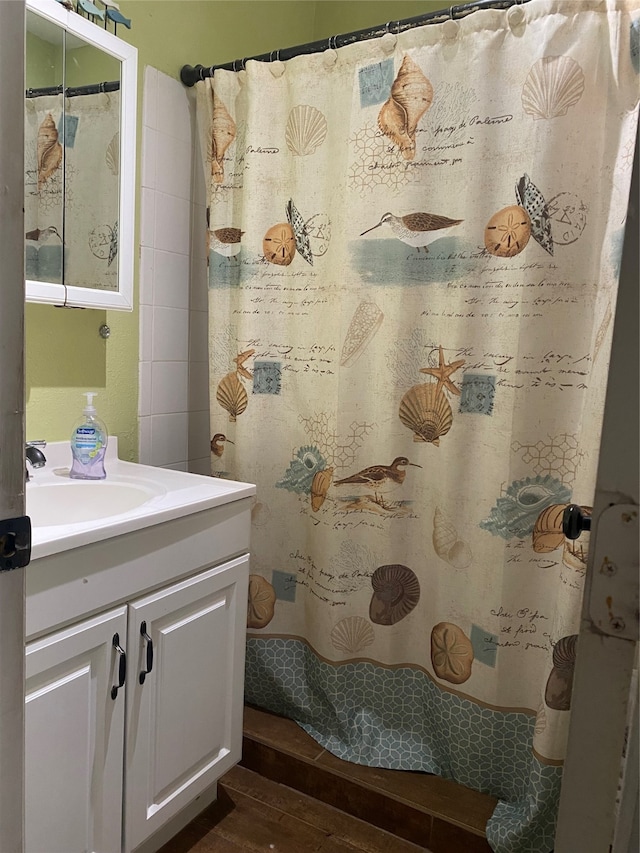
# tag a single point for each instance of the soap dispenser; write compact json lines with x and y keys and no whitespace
{"x":88,"y":444}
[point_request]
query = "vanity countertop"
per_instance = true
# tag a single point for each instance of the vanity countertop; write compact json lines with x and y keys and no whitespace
{"x":68,"y":514}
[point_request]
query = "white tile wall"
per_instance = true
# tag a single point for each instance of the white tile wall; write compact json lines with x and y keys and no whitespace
{"x":173,"y":409}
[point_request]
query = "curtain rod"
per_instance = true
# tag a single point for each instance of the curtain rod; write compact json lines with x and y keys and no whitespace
{"x":190,"y":75}
{"x":72,"y":91}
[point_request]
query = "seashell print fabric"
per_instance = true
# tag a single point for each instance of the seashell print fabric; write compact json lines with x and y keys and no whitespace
{"x":403,"y":346}
{"x":66,"y":138}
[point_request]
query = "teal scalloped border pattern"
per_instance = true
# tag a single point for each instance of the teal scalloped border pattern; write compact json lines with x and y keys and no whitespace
{"x":398,"y":718}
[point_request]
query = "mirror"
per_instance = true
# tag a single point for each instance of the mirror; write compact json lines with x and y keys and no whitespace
{"x":80,"y":149}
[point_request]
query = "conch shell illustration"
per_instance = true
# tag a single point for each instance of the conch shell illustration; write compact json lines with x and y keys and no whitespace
{"x":364,"y":324}
{"x":232,"y":396}
{"x":319,"y":487}
{"x":411,"y":97}
{"x":306,"y":130}
{"x":223,"y":132}
{"x":261,"y":604}
{"x":447,"y":543}
{"x":426,"y":411}
{"x":554,"y":84}
{"x":351,"y":634}
{"x":49,"y":150}
{"x":396,"y":591}
{"x":547,"y":531}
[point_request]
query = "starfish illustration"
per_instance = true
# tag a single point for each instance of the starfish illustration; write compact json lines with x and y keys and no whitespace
{"x":240,"y":360}
{"x":442,"y":373}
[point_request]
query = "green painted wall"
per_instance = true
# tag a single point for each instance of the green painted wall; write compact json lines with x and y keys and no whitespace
{"x":64,"y":353}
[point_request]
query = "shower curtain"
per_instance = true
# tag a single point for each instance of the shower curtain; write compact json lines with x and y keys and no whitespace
{"x":68,"y":137}
{"x":413,"y":246}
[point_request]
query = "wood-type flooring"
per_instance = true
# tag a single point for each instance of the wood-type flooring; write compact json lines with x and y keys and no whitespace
{"x":289,"y":795}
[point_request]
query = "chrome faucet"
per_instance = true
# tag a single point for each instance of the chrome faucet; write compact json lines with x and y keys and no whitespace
{"x":34,"y":455}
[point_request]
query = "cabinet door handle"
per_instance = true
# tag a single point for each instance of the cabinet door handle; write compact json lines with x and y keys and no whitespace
{"x":147,"y":639}
{"x":122,"y":665}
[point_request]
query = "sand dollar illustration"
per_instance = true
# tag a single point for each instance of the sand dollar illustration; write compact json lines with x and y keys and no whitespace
{"x":568,"y":217}
{"x":279,"y":244}
{"x":261,"y":604}
{"x":451,"y":653}
{"x":508,"y":231}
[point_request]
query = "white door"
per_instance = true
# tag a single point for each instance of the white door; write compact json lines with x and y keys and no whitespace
{"x":11,"y":416}
{"x":74,"y":738}
{"x":184,"y":694}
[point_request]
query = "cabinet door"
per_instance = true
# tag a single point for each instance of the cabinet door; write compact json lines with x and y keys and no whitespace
{"x":74,"y":733}
{"x":184,"y":722}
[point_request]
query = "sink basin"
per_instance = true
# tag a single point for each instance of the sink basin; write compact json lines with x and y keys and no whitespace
{"x":73,"y":501}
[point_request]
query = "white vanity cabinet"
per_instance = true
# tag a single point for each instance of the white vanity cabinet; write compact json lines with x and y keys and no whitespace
{"x":119,"y":759}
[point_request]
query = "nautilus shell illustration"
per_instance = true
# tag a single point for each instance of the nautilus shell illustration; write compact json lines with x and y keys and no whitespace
{"x":223,"y":132}
{"x":515,"y":513}
{"x":279,"y":244}
{"x":352,"y":634}
{"x":557,"y":694}
{"x":451,"y":653}
{"x":425,"y":410}
{"x":319,"y":487}
{"x":365,"y":322}
{"x":261,"y":603}
{"x":554,"y":84}
{"x":232,"y":396}
{"x":530,"y":197}
{"x":112,"y":154}
{"x":396,"y":591}
{"x":306,"y":130}
{"x":547,"y":531}
{"x":447,"y":543}
{"x":49,"y":150}
{"x":411,"y":96}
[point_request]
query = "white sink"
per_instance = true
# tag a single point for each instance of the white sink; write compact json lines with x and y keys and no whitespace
{"x":75,"y":501}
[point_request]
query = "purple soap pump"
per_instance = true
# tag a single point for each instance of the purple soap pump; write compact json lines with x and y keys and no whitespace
{"x":88,"y":444}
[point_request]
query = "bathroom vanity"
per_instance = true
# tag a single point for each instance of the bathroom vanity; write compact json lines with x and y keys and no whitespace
{"x":135,"y":624}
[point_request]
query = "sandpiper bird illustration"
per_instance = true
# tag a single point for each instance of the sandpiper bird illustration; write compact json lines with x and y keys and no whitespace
{"x":217,"y":444}
{"x":379,"y":478}
{"x":416,"y":229}
{"x":42,"y":234}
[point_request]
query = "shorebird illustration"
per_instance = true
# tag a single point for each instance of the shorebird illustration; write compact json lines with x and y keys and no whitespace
{"x":42,"y":234}
{"x":217,"y":444}
{"x":416,"y":229}
{"x":379,"y":479}
{"x":225,"y":241}
{"x":443,"y":373}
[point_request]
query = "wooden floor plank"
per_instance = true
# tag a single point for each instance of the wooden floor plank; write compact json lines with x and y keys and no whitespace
{"x":280,"y":733}
{"x":361,"y":835}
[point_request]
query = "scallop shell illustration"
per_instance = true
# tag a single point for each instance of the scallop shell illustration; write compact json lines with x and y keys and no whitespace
{"x":306,"y":130}
{"x":112,"y":154}
{"x":515,"y":513}
{"x":365,"y":322}
{"x":547,"y":531}
{"x":352,"y":634}
{"x":447,"y":543}
{"x":223,"y":132}
{"x":261,"y":604}
{"x":427,"y":413}
{"x":299,"y":231}
{"x":541,"y":720}
{"x":319,"y":487}
{"x":530,"y":197}
{"x":396,"y":591}
{"x":553,"y":84}
{"x":49,"y":150}
{"x":279,"y":244}
{"x":232,"y":396}
{"x":411,"y":96}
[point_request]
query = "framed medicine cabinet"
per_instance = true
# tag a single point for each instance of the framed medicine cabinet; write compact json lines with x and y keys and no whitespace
{"x":80,"y":150}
